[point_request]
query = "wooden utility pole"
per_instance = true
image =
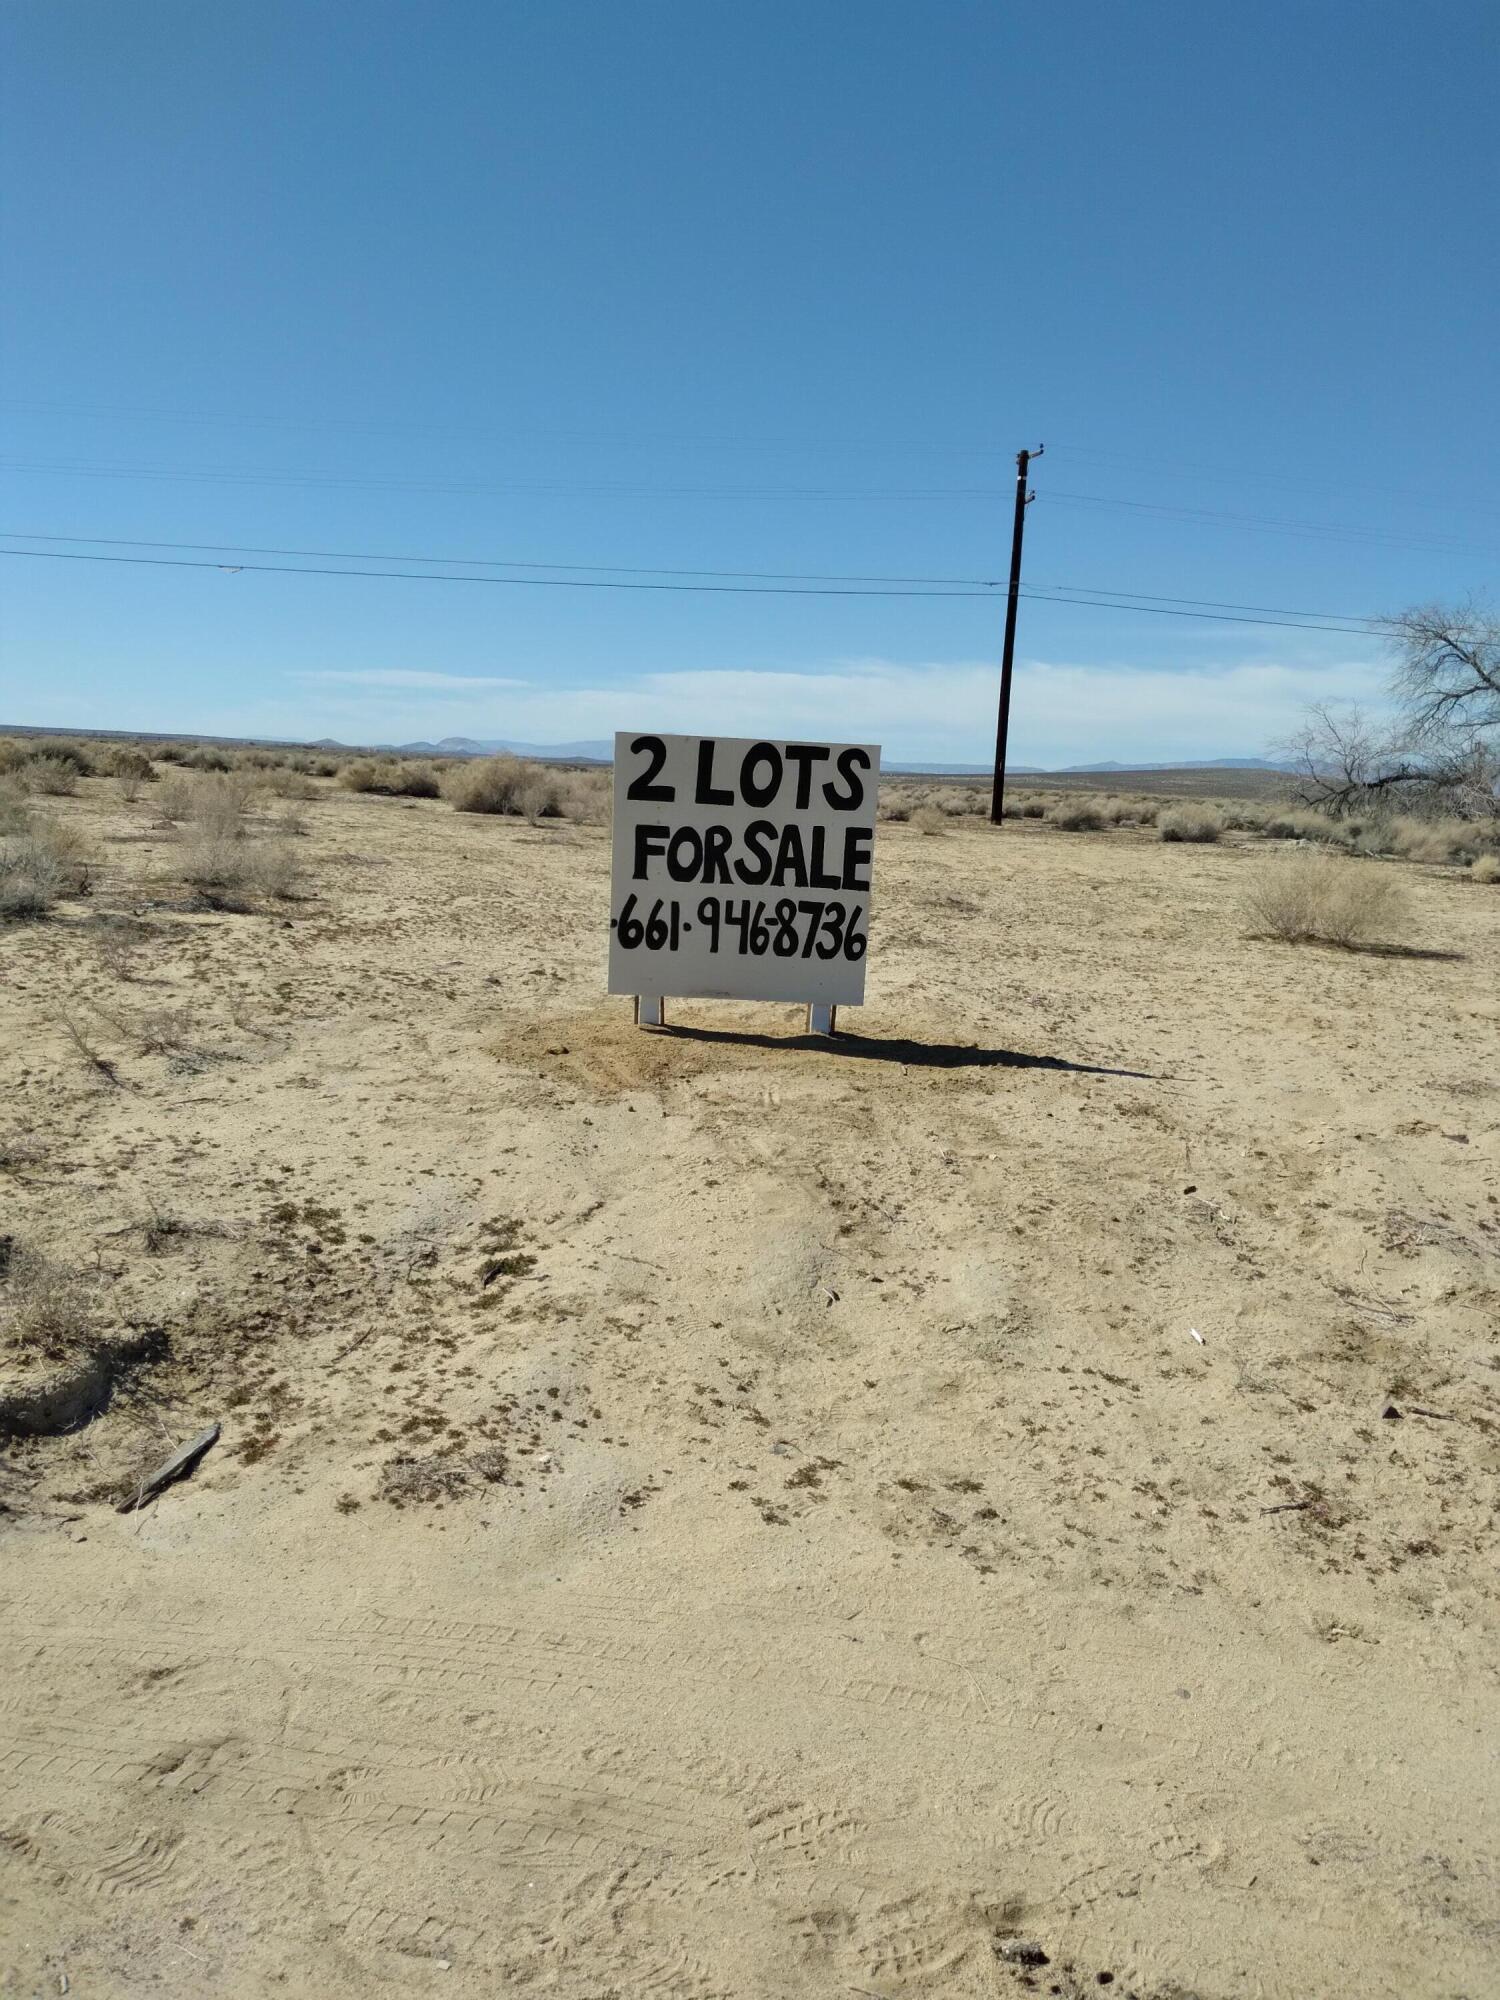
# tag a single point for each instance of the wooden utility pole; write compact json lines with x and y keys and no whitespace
{"x":1002,"y":725}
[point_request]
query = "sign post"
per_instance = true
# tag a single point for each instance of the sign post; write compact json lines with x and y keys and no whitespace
{"x":741,"y":871}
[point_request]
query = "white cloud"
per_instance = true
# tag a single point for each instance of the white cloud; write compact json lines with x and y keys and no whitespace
{"x":403,"y":677}
{"x":1063,"y":712}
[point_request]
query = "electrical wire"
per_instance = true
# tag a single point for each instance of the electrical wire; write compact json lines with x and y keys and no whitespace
{"x":500,"y":562}
{"x":716,"y":589}
{"x":979,"y":583}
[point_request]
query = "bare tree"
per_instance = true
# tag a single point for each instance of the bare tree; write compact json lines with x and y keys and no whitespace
{"x":1441,"y":751}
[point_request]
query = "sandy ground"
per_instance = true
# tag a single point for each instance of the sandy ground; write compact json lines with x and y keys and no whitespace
{"x":704,"y":1513}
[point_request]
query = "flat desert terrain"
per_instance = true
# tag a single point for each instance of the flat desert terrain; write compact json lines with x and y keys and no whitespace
{"x":705,"y":1513}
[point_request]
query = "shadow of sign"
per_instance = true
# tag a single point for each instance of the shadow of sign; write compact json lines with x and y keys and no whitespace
{"x":914,"y":1055}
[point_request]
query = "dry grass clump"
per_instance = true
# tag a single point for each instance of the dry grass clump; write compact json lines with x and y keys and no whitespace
{"x":1304,"y":823}
{"x":398,"y":777}
{"x":45,"y":1309}
{"x":1121,"y":811}
{"x":55,"y":777}
{"x":214,"y":805}
{"x":15,"y":803}
{"x":195,"y":756}
{"x":70,"y":750}
{"x":1189,"y":822}
{"x":39,"y":864}
{"x":929,"y":819}
{"x":1076,"y":816}
{"x":124,"y":760}
{"x":1486,"y":869}
{"x":1450,"y":842}
{"x":223,"y":866}
{"x":1324,"y":898}
{"x":286,"y":781}
{"x":507,"y":784}
{"x":218,"y":857}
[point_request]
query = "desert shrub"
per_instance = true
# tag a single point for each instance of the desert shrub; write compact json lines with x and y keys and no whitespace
{"x":1325,"y":898}
{"x":216,"y":804}
{"x":124,"y":760}
{"x":66,"y":750}
{"x":193,"y":756}
{"x":1437,"y":841}
{"x":322,"y":767}
{"x":1189,"y":822}
{"x":225,"y":865}
{"x":13,"y":753}
{"x":38,"y":865}
{"x":174,"y":797}
{"x":895,"y":808}
{"x":15,"y":801}
{"x":1486,"y":869}
{"x":504,"y":784}
{"x":53,"y":776}
{"x":1076,"y":816}
{"x":285,"y":781}
{"x":1304,"y":823}
{"x":45,"y":1309}
{"x":395,"y":776}
{"x":929,"y":819}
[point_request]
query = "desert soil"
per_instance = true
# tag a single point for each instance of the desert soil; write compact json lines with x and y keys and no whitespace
{"x":703,"y":1513}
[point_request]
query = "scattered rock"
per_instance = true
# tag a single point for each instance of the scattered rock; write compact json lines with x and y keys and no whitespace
{"x":1021,"y":1951}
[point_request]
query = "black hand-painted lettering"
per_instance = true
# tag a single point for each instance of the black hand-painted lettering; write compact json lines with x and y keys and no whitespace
{"x":707,"y":793}
{"x":752,"y":790}
{"x":649,"y":842}
{"x":716,"y":841}
{"x":790,"y":868}
{"x":857,"y":844}
{"x":644,"y":786}
{"x":804,"y":756}
{"x":757,"y":836}
{"x":847,"y":763}
{"x":818,"y":875}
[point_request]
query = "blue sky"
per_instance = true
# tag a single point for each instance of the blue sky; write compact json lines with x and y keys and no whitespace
{"x":764,"y":288}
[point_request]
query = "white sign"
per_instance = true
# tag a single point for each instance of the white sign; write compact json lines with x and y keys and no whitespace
{"x":742,"y":869}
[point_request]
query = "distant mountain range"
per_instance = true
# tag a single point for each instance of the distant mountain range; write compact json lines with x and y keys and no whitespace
{"x":601,"y":751}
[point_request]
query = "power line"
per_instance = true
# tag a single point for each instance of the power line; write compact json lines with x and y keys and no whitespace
{"x":978,"y":583}
{"x":715,"y":589}
{"x":619,"y":489}
{"x":499,"y":562}
{"x":1442,"y":544}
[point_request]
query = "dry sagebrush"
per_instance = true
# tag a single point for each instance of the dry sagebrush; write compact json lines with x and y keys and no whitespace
{"x":396,"y":776}
{"x":1320,"y":898}
{"x":45,"y":1309}
{"x":40,"y":864}
{"x":1189,"y":822}
{"x":511,"y":785}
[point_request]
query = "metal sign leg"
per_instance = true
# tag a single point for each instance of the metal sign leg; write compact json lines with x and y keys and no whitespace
{"x":821,"y":1017}
{"x":650,"y":1010}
